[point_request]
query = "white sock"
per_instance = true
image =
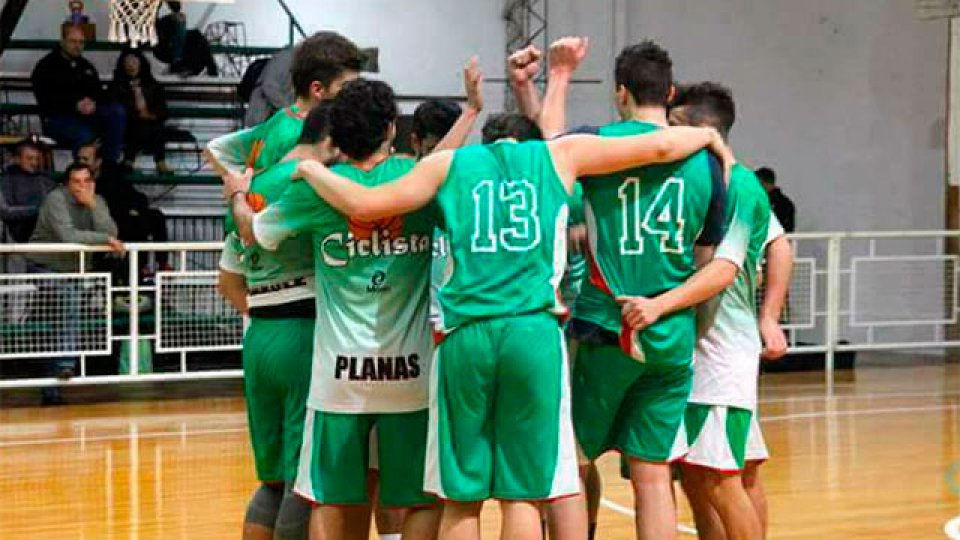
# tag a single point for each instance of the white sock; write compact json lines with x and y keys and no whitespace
{"x":390,"y":536}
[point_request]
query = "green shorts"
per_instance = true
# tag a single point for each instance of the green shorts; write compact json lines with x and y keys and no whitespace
{"x":277,"y":359}
{"x":500,"y":421}
{"x":718,"y":437}
{"x":336,"y":452}
{"x":630,"y":406}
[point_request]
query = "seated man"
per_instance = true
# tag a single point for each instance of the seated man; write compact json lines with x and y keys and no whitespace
{"x":129,"y":208}
{"x":71,"y":213}
{"x":22,"y":189}
{"x":72,"y":99}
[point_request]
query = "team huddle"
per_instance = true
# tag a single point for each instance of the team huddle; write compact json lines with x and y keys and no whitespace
{"x":410,"y":316}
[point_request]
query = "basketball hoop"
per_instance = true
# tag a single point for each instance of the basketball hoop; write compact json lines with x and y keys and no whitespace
{"x":133,"y":21}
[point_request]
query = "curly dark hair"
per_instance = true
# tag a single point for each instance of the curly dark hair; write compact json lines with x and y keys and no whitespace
{"x":510,"y":126}
{"x":361,"y":115}
{"x":146,"y":72}
{"x":707,"y":104}
{"x":323,"y":57}
{"x":646,"y":71}
{"x":317,"y":124}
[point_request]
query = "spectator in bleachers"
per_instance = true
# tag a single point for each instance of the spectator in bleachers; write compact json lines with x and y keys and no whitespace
{"x":273,"y":89}
{"x":73,"y":213}
{"x":145,"y":103}
{"x":780,"y":204}
{"x":73,"y":103}
{"x":129,"y":208}
{"x":22,"y":188}
{"x":187,"y":51}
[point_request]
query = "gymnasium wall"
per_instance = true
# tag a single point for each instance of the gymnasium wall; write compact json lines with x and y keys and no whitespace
{"x":845,"y":98}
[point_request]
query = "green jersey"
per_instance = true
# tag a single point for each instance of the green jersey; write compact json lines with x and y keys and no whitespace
{"x":642,"y":227}
{"x":372,"y":343}
{"x":259,"y":146}
{"x":276,"y":277}
{"x":728,"y":351}
{"x":576,"y":264}
{"x":505,"y":217}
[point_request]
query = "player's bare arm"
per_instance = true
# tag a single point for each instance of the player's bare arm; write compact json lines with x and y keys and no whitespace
{"x":578,"y":156}
{"x":235,"y":188}
{"x":522,"y":69}
{"x":406,"y":194}
{"x":233,"y":287}
{"x":779,"y":268}
{"x":717,"y":275}
{"x":472,"y":81}
{"x":565,"y":57}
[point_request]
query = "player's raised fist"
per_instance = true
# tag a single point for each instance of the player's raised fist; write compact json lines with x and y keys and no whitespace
{"x":566,"y":53}
{"x":523,"y":65}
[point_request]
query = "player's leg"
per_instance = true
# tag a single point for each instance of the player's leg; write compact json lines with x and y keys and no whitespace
{"x":757,"y":454}
{"x":389,"y":521}
{"x":535,"y":457}
{"x":651,"y":434}
{"x":593,"y":491}
{"x":718,"y":440}
{"x":333,"y":472}
{"x":293,"y":371}
{"x":402,"y":472}
{"x":265,"y":416}
{"x":705,"y":517}
{"x":459,"y":454}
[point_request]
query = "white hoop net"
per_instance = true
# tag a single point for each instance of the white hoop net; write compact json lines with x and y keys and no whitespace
{"x":133,"y":21}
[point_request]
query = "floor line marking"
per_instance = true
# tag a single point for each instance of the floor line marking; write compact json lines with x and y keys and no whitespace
{"x":623,"y":510}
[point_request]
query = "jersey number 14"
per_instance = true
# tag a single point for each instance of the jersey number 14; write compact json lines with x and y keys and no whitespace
{"x":662,"y":220}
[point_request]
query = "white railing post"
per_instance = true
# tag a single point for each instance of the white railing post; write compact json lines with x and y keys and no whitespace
{"x":832,"y":329}
{"x":133,"y":355}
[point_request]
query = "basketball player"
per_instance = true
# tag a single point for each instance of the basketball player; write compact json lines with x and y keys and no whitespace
{"x":721,"y":419}
{"x":373,"y":345}
{"x":630,"y":387}
{"x":276,"y":289}
{"x":322,"y":63}
{"x":442,"y":125}
{"x":500,"y":424}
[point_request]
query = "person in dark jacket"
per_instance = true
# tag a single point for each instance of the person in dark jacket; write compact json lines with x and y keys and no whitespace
{"x":22,"y":189}
{"x":780,"y":204}
{"x":72,"y":100}
{"x":145,"y":104}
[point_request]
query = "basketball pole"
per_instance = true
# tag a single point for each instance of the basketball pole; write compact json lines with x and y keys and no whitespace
{"x":9,"y":18}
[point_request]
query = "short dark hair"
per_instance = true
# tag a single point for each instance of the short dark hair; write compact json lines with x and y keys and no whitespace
{"x":174,"y":6}
{"x":323,"y":57}
{"x":317,"y":125}
{"x":74,"y":167}
{"x":708,"y":104}
{"x":510,"y":126}
{"x":66,"y":28}
{"x":646,"y":71}
{"x":434,"y":117}
{"x":766,"y":174}
{"x":361,"y":115}
{"x":32,"y":143}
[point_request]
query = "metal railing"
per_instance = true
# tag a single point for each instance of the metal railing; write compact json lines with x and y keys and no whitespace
{"x":851,"y":291}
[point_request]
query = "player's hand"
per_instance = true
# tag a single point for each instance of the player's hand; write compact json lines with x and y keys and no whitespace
{"x":724,"y":153}
{"x":566,"y":53}
{"x":639,"y":312}
{"x":308,"y":168}
{"x":472,"y":82}
{"x":774,"y":340}
{"x":523,"y":65}
{"x":577,"y":238}
{"x":116,"y":245}
{"x":234,"y":183}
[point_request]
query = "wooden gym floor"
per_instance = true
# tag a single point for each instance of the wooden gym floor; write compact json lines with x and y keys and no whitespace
{"x":879,"y":460}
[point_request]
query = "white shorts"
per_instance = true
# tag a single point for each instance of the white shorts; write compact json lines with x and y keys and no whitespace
{"x":718,"y":437}
{"x":756,"y":446}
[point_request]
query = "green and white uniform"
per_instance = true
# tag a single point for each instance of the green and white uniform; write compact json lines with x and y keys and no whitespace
{"x":373,"y":345}
{"x":278,"y":344}
{"x":756,"y":446}
{"x":629,"y":389}
{"x":267,"y":142}
{"x":576,"y":263}
{"x":724,"y":393}
{"x":499,"y":407}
